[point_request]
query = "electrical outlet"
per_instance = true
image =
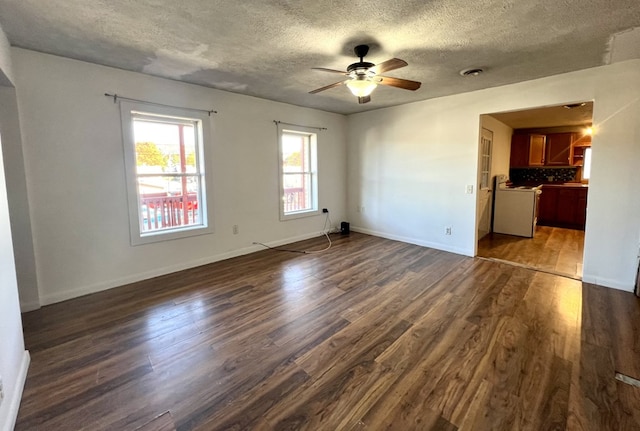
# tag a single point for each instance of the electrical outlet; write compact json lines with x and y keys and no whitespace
{"x":470,"y":189}
{"x":447,"y":230}
{"x":235,"y":229}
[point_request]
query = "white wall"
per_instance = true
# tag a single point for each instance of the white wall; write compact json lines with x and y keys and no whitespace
{"x":6,"y":68}
{"x":14,"y":360}
{"x":75,"y":174}
{"x":18,"y":200}
{"x":613,"y":208}
{"x":409,"y":166}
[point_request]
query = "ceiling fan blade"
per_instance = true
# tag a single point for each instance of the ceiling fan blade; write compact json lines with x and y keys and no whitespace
{"x":327,"y":87}
{"x":322,"y":69}
{"x":405,"y":84}
{"x":364,"y":99}
{"x":385,"y":66}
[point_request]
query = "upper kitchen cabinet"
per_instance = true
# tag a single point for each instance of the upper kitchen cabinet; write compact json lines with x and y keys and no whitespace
{"x":576,"y":154}
{"x":537,"y":145}
{"x":558,"y":148}
{"x":519,"y":151}
{"x":527,"y":150}
{"x":551,"y":149}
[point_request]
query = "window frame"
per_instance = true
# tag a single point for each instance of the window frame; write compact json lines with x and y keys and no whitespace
{"x":128,"y":112}
{"x":312,"y":135}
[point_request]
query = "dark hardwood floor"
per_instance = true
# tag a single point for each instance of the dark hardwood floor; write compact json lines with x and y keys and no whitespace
{"x":371,"y":335}
{"x":552,"y":249}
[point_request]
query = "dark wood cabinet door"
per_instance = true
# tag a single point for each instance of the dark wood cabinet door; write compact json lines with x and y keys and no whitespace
{"x":581,"y":208}
{"x":563,"y":207}
{"x":547,"y":206}
{"x":558,"y":148}
{"x":519,"y":151}
{"x":567,"y":201}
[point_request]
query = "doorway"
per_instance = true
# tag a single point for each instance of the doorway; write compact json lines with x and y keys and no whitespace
{"x":557,"y":244}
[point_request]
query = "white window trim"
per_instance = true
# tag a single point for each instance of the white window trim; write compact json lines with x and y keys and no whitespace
{"x":128,"y":139}
{"x":313,"y":133}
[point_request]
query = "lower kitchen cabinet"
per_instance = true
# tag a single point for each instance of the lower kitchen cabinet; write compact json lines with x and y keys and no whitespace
{"x":563,"y":206}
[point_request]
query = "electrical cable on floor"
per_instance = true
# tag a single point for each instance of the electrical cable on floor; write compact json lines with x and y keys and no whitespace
{"x":324,"y":231}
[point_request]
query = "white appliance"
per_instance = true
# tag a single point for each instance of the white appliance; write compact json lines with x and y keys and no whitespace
{"x":515,"y":210}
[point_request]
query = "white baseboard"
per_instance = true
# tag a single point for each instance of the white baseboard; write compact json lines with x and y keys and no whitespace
{"x":607,"y":282}
{"x":16,"y":396}
{"x":29,"y":306}
{"x":409,"y":240}
{"x":156,"y":272}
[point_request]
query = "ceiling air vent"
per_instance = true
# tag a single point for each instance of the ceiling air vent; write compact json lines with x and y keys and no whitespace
{"x":471,"y":72}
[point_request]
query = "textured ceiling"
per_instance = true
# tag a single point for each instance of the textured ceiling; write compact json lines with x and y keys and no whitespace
{"x":267,"y":48}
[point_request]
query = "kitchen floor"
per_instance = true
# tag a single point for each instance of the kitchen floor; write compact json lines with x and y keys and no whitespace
{"x":552,"y":249}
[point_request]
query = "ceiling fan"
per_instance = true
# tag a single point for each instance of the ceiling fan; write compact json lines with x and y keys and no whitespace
{"x":364,"y":77}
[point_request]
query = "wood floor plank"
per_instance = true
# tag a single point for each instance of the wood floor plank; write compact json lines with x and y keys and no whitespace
{"x":371,"y":334}
{"x":421,"y":359}
{"x":500,"y":360}
{"x":556,"y":396}
{"x":627,"y":356}
{"x":164,"y":422}
{"x":334,"y":401}
{"x":353,"y":340}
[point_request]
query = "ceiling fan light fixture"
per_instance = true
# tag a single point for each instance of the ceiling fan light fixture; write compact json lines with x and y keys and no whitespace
{"x":361,"y":87}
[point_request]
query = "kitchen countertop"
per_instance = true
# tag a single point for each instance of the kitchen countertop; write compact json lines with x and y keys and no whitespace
{"x":566,"y":185}
{"x":563,"y":185}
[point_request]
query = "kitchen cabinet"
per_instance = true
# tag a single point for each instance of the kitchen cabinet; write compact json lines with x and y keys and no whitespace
{"x":553,"y":149}
{"x":558,"y":147}
{"x":537,"y":145}
{"x":563,"y":206}
{"x":519,"y":151}
{"x":576,"y":154}
{"x":547,"y":206}
{"x":527,"y":150}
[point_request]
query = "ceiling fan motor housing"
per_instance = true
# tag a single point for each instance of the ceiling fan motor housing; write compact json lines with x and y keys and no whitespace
{"x":361,"y":65}
{"x":360,"y":51}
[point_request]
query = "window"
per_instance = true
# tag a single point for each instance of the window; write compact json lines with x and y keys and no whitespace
{"x":586,"y":168}
{"x":164,"y":158}
{"x":485,"y":159}
{"x":298,"y":173}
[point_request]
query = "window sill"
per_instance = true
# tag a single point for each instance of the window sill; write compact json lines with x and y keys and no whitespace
{"x":187,"y":232}
{"x":299,"y":214}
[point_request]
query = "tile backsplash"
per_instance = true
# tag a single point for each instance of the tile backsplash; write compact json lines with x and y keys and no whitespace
{"x":542,"y":175}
